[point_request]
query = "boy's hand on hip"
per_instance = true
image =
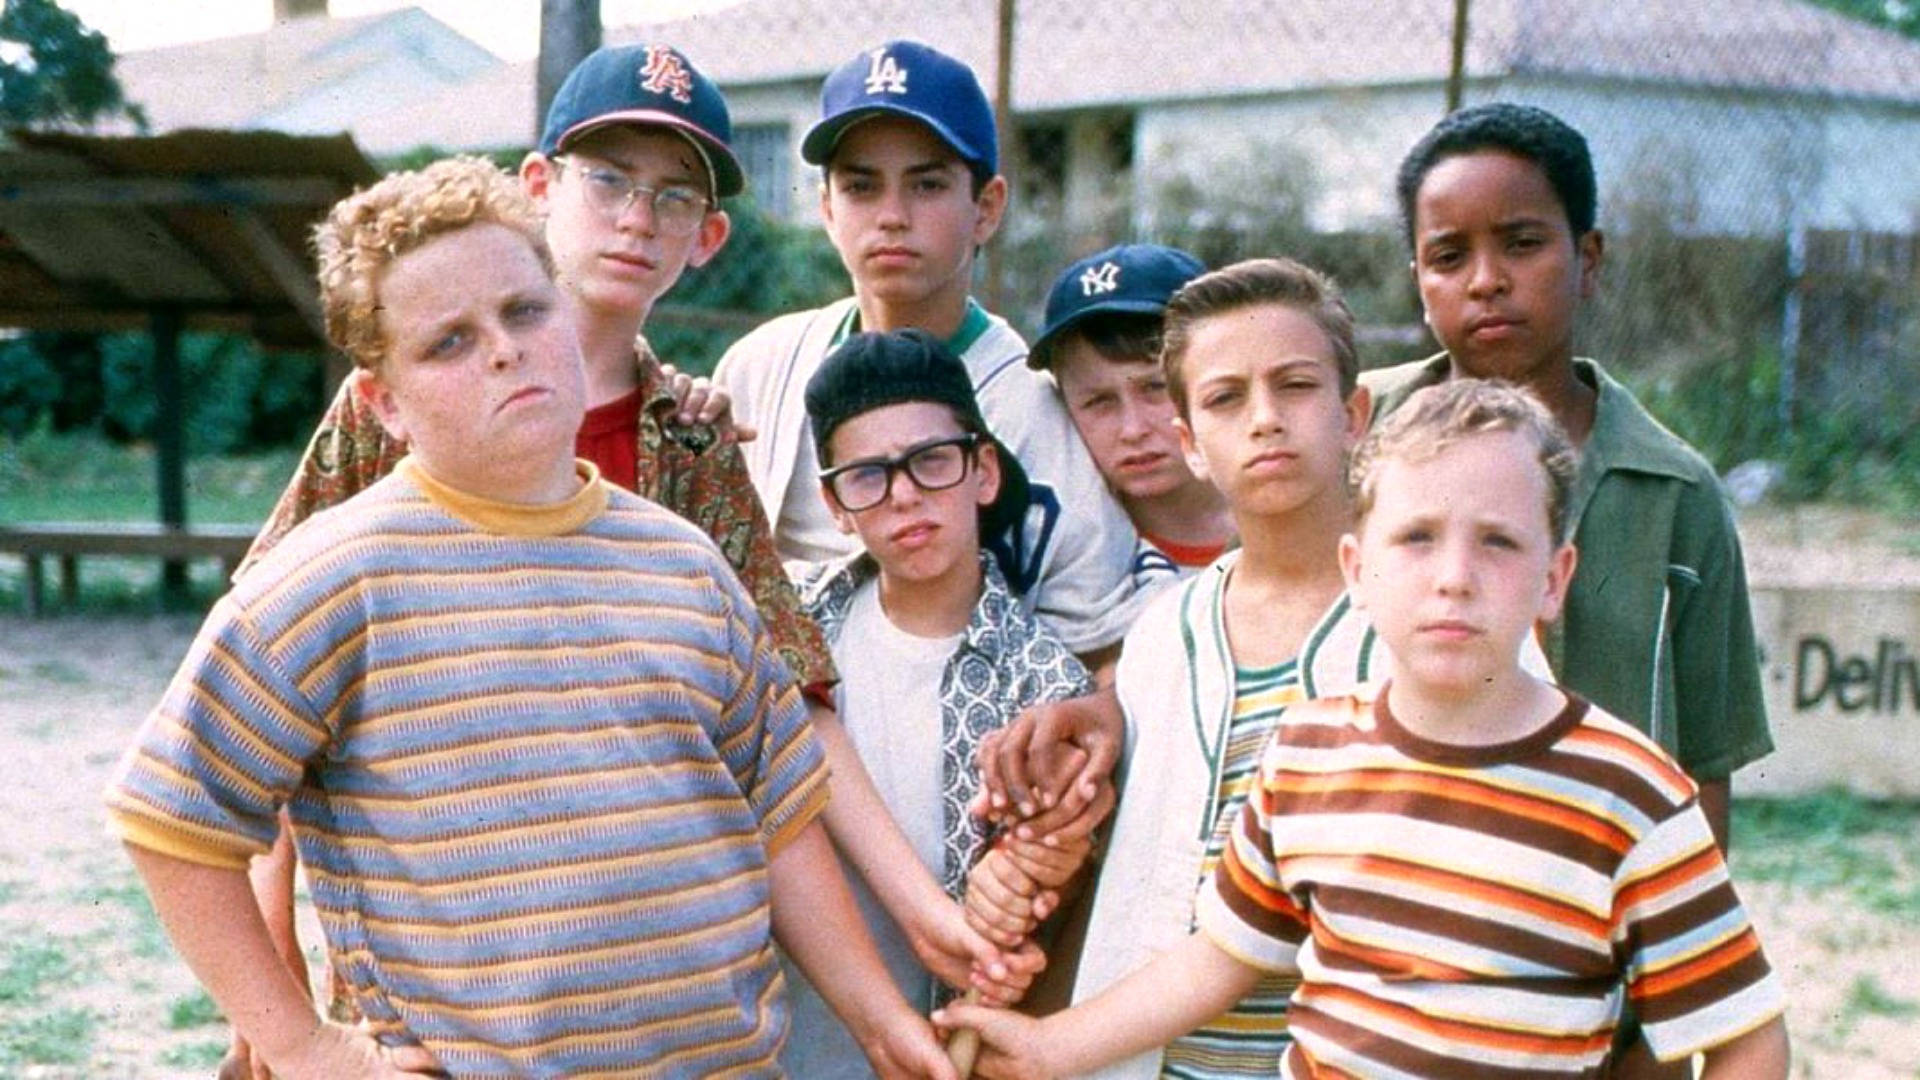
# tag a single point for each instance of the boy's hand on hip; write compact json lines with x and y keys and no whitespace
{"x":335,"y":1051}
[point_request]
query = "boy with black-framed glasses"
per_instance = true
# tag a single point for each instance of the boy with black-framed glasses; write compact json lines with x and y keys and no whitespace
{"x":935,"y":651}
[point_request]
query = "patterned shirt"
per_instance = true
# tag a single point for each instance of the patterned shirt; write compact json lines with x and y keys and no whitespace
{"x":687,"y":469}
{"x":1248,"y":1039}
{"x":1007,"y":661}
{"x":537,"y":760}
{"x":1472,"y":911}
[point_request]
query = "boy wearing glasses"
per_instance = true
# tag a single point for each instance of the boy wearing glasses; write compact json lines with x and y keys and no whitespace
{"x":629,"y":174}
{"x":911,"y":190}
{"x":910,"y":471}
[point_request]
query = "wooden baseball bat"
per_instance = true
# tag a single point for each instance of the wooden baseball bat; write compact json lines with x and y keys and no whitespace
{"x":963,"y":1046}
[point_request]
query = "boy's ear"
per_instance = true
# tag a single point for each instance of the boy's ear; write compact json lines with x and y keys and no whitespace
{"x":841,"y":519}
{"x":1359,"y":413}
{"x":988,"y":462}
{"x":1349,"y":552}
{"x":379,"y":396}
{"x":714,"y":230}
{"x":1590,"y":249}
{"x":537,"y":175}
{"x":1196,"y":461}
{"x":991,"y":207}
{"x":1559,"y":576}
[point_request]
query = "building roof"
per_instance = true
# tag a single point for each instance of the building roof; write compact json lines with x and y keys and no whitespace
{"x":1069,"y":54}
{"x":312,"y":75}
{"x":98,"y":232}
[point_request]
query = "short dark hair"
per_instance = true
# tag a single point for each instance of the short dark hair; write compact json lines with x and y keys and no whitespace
{"x":1120,"y":336}
{"x":1524,"y":131}
{"x":1249,"y":283}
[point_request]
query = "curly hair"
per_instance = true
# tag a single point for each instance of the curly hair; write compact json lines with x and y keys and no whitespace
{"x":1247,"y":284}
{"x":1439,"y":416}
{"x":370,"y":229}
{"x":1534,"y":134}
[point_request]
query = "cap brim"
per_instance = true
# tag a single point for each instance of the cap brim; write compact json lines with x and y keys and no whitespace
{"x":728,"y":179}
{"x":818,"y":146}
{"x":1052,"y":333}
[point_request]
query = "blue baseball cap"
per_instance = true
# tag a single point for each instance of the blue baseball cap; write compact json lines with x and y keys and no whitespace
{"x":1133,"y":278}
{"x":907,"y":78}
{"x":654,"y":85}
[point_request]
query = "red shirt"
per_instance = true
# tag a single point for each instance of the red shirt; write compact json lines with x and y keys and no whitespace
{"x":610,"y":438}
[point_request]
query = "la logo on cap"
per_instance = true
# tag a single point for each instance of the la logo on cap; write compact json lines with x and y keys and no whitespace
{"x":1104,"y":278}
{"x":884,"y":74}
{"x":665,"y":73}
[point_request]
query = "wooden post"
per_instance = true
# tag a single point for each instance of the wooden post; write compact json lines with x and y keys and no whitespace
{"x":1008,"y":133}
{"x":569,"y":30}
{"x":1457,"y":69}
{"x":169,"y":441}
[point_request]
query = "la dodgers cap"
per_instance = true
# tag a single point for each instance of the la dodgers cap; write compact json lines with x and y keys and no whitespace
{"x":646,"y":84}
{"x":907,"y":78}
{"x":871,"y":370}
{"x":1132,"y":278}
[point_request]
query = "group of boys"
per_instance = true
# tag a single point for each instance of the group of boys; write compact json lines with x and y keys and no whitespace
{"x":557,"y":761}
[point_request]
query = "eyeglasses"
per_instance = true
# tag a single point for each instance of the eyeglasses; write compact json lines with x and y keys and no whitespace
{"x":677,"y":208}
{"x":932,"y":466}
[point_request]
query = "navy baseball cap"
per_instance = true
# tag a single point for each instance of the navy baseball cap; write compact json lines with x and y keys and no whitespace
{"x":907,"y":78}
{"x":1132,"y":278}
{"x":872,"y":370}
{"x":654,"y":85}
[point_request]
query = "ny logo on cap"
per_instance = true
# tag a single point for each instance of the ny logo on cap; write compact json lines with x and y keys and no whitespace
{"x":884,"y":74}
{"x":1104,"y":278}
{"x":665,"y":73}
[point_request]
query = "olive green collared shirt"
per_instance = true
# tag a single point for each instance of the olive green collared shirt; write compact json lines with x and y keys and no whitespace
{"x":1657,"y":628}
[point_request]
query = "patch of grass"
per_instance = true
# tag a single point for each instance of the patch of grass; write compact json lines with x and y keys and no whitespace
{"x":28,"y":966}
{"x":54,"y":1037}
{"x":1833,"y":844}
{"x":141,"y":931}
{"x":1867,"y":998}
{"x":78,"y":477}
{"x":58,"y":672}
{"x":194,"y":1010}
{"x":201,"y":1056}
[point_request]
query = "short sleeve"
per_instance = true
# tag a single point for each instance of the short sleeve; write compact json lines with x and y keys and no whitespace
{"x":214,"y":761}
{"x":1718,"y":696}
{"x":1243,"y":907}
{"x":765,"y":737}
{"x":1694,"y":968}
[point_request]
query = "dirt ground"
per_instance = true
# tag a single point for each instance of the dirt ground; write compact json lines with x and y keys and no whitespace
{"x":89,"y":987}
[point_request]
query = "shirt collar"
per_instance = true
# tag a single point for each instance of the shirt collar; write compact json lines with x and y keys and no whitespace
{"x":973,"y":324}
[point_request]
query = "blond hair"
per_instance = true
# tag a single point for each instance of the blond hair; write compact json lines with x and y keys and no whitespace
{"x":1247,"y":284}
{"x":1439,"y":416}
{"x":367,"y":231}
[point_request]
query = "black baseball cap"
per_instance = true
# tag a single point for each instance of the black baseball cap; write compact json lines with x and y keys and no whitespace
{"x":1133,"y":278}
{"x":869,"y":371}
{"x":653,"y":85}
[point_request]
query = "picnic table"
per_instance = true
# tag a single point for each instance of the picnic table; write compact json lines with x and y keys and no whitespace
{"x":36,"y":542}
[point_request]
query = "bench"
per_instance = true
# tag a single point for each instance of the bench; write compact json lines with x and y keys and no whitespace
{"x":67,"y":541}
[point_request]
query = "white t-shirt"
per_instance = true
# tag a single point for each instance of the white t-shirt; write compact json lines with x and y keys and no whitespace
{"x":894,"y":724}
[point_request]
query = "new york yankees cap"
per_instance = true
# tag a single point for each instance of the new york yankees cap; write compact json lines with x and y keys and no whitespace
{"x":872,"y":370}
{"x":654,"y":85}
{"x":1133,"y":278}
{"x":907,"y":78}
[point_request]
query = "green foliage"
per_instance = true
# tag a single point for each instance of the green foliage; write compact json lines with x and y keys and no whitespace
{"x":29,"y":966}
{"x":1900,"y":16}
{"x":767,"y":267}
{"x":238,"y":397}
{"x":55,"y":71}
{"x":194,"y":1010}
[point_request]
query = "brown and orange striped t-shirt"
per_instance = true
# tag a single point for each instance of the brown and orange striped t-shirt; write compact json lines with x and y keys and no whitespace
{"x":1482,"y":911}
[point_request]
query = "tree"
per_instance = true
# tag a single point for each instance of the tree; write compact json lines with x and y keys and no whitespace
{"x":1901,"y":16}
{"x":55,"y":70}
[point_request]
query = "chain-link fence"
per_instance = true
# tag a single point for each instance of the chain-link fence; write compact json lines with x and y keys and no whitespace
{"x":1759,"y":165}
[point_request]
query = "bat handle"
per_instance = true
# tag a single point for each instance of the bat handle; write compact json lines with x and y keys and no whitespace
{"x":963,"y":1046}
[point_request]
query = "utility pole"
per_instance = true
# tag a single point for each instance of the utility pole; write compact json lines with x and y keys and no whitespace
{"x":1457,"y":69}
{"x":1008,"y":133}
{"x":569,"y":30}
